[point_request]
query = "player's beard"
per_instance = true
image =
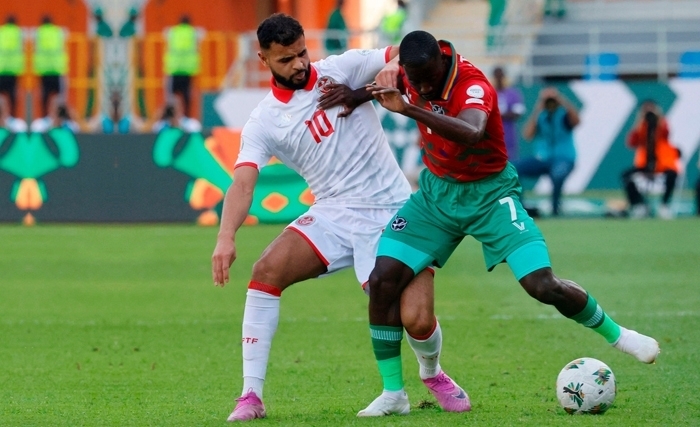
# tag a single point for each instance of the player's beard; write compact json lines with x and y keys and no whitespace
{"x":289,"y":83}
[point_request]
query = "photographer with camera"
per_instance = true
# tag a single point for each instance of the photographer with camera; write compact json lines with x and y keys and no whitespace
{"x":654,"y":155}
{"x":550,"y":128}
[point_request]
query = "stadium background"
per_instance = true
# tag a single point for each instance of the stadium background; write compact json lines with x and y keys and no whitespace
{"x":651,"y":44}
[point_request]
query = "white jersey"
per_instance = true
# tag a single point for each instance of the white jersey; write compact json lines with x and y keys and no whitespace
{"x":345,"y":161}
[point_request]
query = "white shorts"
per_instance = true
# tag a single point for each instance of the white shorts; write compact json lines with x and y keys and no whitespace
{"x":344,"y":237}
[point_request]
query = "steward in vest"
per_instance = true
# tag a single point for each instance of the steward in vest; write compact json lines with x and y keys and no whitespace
{"x":11,"y":60}
{"x":182,"y":59}
{"x":50,"y":60}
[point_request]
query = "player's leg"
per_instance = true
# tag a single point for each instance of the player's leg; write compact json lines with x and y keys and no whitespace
{"x":424,"y":335}
{"x":307,"y":248}
{"x":287,"y":260}
{"x":510,"y":234}
{"x":575,"y":303}
{"x":413,"y":240}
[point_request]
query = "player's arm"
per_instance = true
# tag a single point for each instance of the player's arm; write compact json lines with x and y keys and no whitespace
{"x":467,"y":128}
{"x":237,"y":201}
{"x":340,"y":94}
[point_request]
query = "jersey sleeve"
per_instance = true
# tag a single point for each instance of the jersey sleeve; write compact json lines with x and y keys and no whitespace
{"x":362,"y":66}
{"x":255,"y":147}
{"x":473,"y":93}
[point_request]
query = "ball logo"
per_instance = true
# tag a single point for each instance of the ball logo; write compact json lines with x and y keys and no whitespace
{"x":306,"y":220}
{"x":399,"y":224}
{"x":323,"y":82}
{"x":475,"y":91}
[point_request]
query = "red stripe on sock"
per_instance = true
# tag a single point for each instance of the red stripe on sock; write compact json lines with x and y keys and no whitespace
{"x":428,"y":335}
{"x":268,"y":289}
{"x":430,"y":270}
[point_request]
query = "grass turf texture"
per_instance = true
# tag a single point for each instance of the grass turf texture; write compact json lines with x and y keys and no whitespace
{"x":122,"y":326}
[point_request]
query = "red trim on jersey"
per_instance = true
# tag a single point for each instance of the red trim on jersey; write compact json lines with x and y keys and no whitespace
{"x":387,"y":54}
{"x":428,"y":335}
{"x":268,"y":289}
{"x":251,"y":164}
{"x":305,"y":237}
{"x":285,"y":95}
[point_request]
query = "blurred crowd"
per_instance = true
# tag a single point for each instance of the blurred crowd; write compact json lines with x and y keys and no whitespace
{"x":114,"y":114}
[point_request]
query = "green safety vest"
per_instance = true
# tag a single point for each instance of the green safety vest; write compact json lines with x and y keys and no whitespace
{"x":181,"y":55}
{"x":391,"y":25}
{"x":11,"y":50}
{"x":50,"y":56}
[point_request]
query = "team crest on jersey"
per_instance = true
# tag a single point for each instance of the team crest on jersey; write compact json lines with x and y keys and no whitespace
{"x":399,"y":223}
{"x":306,"y":220}
{"x":323,"y":82}
{"x":437,"y":109}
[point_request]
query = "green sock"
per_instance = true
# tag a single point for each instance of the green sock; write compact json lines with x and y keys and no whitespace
{"x":595,"y":318}
{"x":386,"y":343}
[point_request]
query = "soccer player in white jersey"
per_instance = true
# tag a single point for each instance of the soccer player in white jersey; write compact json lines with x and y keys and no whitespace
{"x":347,"y":163}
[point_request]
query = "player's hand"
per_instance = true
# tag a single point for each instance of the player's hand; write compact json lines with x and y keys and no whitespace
{"x":389,"y":75}
{"x":389,"y":97}
{"x":221,"y":260}
{"x":339,"y":94}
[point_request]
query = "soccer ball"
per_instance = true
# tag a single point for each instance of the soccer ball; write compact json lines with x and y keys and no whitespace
{"x":586,"y":386}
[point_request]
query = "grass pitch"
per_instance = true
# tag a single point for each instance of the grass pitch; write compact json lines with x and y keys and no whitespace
{"x":122,"y":326}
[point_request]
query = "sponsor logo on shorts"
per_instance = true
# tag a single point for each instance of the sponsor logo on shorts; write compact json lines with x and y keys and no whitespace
{"x":399,"y":224}
{"x":306,"y":220}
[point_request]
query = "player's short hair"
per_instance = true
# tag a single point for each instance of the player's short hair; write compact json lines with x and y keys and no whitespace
{"x":418,"y":48}
{"x":279,"y":28}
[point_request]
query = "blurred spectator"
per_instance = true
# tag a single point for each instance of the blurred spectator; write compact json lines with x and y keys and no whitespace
{"x":172,"y":117}
{"x":550,"y":127}
{"x":50,"y":60}
{"x":117,"y":121}
{"x":12,"y":124}
{"x":59,"y":116}
{"x":336,"y":36}
{"x":11,"y":60}
{"x":654,"y":154}
{"x":391,"y":26}
{"x":182,"y":59}
{"x":510,"y":103}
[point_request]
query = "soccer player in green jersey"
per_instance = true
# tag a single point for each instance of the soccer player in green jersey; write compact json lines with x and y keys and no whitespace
{"x":468,"y":188}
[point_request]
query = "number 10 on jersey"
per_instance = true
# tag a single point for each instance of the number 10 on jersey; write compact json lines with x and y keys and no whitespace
{"x":319,"y":125}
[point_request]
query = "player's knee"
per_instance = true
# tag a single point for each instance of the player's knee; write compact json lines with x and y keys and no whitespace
{"x":543,"y":286}
{"x":418,"y":325}
{"x":383,"y":289}
{"x":265,"y":272}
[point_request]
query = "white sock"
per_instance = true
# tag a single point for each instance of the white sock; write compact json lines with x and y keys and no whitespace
{"x":428,"y":352}
{"x":260,"y":319}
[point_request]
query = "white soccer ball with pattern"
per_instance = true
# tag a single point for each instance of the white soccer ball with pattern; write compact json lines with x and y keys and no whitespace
{"x":586,"y":386}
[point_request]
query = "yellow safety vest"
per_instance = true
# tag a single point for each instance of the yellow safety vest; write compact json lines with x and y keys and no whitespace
{"x":50,"y":55}
{"x":181,"y":55}
{"x":11,"y":50}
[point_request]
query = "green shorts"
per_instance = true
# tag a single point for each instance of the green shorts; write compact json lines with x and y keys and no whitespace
{"x":430,"y":226}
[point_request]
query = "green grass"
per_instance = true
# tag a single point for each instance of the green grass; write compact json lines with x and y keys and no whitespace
{"x":122,"y":326}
